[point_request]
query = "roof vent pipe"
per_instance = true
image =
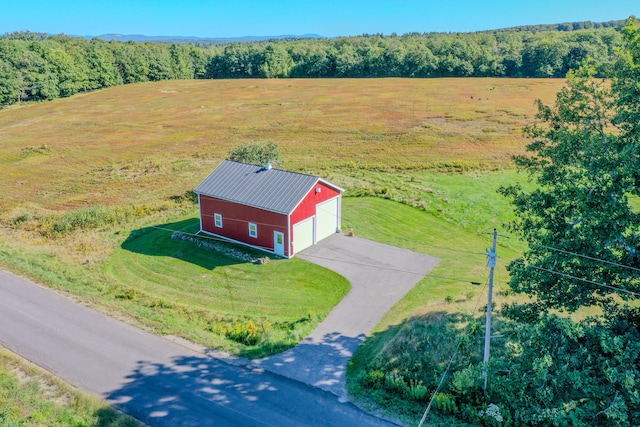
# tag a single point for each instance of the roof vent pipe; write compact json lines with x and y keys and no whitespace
{"x":268,"y":166}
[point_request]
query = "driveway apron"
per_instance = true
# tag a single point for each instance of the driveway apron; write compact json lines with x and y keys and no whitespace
{"x":380,"y":276}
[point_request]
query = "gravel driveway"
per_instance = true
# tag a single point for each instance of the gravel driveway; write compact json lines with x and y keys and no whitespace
{"x":380,"y":276}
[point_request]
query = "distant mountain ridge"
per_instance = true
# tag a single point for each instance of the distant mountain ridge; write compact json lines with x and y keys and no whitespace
{"x":561,"y":27}
{"x":187,"y":39}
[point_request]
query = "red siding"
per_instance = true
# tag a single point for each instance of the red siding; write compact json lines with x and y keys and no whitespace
{"x":236,"y":219}
{"x":307,"y":208}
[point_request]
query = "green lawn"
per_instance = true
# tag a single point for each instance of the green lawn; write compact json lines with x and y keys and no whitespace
{"x":181,"y":289}
{"x":455,"y":225}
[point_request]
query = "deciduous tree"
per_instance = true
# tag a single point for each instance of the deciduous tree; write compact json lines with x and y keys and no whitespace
{"x":585,"y":157}
{"x":257,"y":154}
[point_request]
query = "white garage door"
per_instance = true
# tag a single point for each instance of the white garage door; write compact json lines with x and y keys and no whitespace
{"x":327,"y":219}
{"x":302,"y":235}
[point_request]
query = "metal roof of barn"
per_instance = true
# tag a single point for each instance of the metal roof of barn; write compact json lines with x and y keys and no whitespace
{"x":258,"y":186}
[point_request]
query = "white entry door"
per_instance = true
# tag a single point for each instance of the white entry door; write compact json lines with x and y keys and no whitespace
{"x":278,"y":243}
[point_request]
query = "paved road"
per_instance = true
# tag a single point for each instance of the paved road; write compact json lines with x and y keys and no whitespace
{"x":380,"y":276}
{"x":156,"y":380}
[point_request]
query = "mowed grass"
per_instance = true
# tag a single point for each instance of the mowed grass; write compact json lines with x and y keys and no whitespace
{"x":458,"y":230}
{"x":29,"y":396}
{"x":180,"y":289}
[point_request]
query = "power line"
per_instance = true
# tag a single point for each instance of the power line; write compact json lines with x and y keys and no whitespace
{"x":426,"y":245}
{"x":487,"y":341}
{"x":580,"y":255}
{"x":455,"y":352}
{"x":586,"y":257}
{"x":636,"y":294}
{"x":453,"y":250}
{"x":365,"y":265}
{"x":426,"y":411}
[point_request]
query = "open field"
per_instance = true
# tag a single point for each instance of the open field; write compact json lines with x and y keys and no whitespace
{"x":84,"y":179}
{"x":138,"y":143}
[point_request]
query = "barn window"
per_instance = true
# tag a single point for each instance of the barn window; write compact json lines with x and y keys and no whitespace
{"x":253,"y":230}
{"x":217,"y":218}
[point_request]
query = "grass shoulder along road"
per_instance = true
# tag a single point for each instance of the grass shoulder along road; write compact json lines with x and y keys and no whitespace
{"x":30,"y":396}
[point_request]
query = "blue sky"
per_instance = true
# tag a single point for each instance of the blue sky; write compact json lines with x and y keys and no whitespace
{"x":234,"y":18}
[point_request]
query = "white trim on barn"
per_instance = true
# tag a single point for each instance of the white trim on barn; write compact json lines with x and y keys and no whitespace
{"x":200,"y":210}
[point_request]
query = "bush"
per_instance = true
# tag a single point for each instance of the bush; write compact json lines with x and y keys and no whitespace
{"x":374,"y":378}
{"x":445,"y":403}
{"x":394,"y":382}
{"x":417,"y":390}
{"x":247,"y":333}
{"x":129,"y":293}
{"x":23,"y":217}
{"x":257,"y":154}
{"x":43,"y":149}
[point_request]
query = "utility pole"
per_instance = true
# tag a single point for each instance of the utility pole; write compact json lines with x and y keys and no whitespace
{"x":491,"y":262}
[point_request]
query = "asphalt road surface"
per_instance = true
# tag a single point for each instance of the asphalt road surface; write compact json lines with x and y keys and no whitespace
{"x":156,"y":380}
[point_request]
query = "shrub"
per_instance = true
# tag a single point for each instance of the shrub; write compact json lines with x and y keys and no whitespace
{"x":417,"y":390}
{"x":445,"y":403}
{"x":23,"y":217}
{"x":129,"y":293}
{"x":374,"y":378}
{"x":247,"y":333}
{"x":394,"y":382}
{"x":160,"y":303}
{"x":42,"y":149}
{"x":257,"y":154}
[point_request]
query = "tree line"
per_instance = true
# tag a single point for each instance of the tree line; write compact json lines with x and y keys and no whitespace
{"x":35,"y":66}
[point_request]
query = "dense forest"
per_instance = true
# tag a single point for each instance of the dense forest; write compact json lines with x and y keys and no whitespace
{"x":35,"y":66}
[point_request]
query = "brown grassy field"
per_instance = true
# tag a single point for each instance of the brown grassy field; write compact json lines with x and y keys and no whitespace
{"x":132,"y":144}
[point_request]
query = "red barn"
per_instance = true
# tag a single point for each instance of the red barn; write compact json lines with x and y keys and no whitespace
{"x":274,"y":210}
